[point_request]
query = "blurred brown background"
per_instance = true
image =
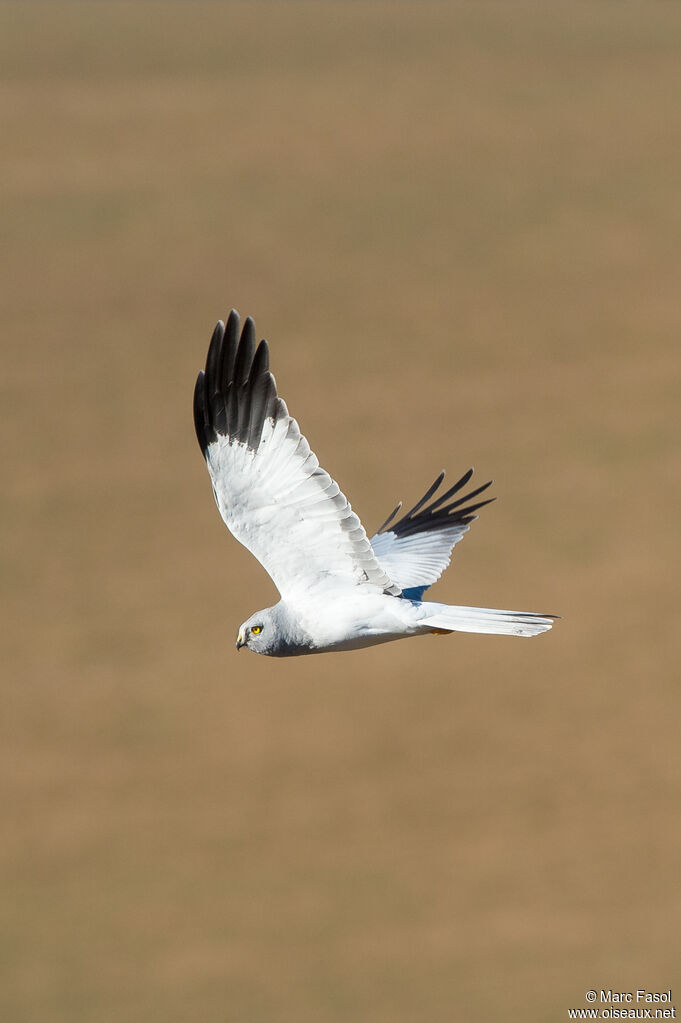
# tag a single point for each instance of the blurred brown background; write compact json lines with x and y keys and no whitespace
{"x":460,"y":228}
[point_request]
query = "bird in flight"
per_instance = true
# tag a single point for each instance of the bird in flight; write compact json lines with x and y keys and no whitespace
{"x":339,"y":589}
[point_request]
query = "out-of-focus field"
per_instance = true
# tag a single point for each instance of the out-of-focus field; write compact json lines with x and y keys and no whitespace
{"x":459,"y":225}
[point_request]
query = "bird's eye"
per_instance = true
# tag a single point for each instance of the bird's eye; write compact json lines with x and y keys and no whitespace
{"x":255,"y":629}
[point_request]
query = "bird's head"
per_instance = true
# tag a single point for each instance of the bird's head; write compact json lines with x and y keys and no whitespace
{"x":270,"y":632}
{"x":255,"y":633}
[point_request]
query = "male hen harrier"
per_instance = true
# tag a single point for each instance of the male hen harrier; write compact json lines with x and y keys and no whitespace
{"x":339,"y":590}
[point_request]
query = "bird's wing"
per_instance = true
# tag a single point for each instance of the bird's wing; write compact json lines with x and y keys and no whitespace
{"x":416,"y":549}
{"x":268,"y":485}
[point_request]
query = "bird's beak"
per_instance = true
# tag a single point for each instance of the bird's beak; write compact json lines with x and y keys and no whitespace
{"x":240,"y":641}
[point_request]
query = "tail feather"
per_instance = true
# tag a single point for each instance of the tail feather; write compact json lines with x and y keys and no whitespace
{"x":484,"y":619}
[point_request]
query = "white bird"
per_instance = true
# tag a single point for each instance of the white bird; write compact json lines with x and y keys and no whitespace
{"x":339,"y":589}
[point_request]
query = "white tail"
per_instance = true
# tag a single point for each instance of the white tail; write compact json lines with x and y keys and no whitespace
{"x":484,"y":619}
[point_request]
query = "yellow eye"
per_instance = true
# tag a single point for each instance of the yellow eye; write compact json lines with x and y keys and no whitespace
{"x":255,"y":629}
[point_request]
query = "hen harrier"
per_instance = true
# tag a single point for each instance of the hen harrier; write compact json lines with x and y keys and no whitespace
{"x":339,"y":589}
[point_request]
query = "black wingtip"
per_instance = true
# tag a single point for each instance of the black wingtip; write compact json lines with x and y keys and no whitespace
{"x":442,"y":511}
{"x":236,"y":394}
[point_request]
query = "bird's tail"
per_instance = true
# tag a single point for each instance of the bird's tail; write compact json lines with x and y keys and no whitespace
{"x":448,"y":618}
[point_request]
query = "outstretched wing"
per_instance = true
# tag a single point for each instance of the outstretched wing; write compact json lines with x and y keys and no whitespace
{"x":268,"y":485}
{"x":417,"y":549}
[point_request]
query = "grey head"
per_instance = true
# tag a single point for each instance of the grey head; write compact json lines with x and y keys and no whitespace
{"x":273,"y":632}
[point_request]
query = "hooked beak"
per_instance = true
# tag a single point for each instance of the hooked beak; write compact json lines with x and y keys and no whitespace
{"x":240,"y":641}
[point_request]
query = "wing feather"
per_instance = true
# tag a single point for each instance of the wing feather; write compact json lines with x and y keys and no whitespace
{"x":268,"y":485}
{"x":417,"y":548}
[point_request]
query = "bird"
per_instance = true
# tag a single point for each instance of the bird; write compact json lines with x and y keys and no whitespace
{"x":339,"y":589}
